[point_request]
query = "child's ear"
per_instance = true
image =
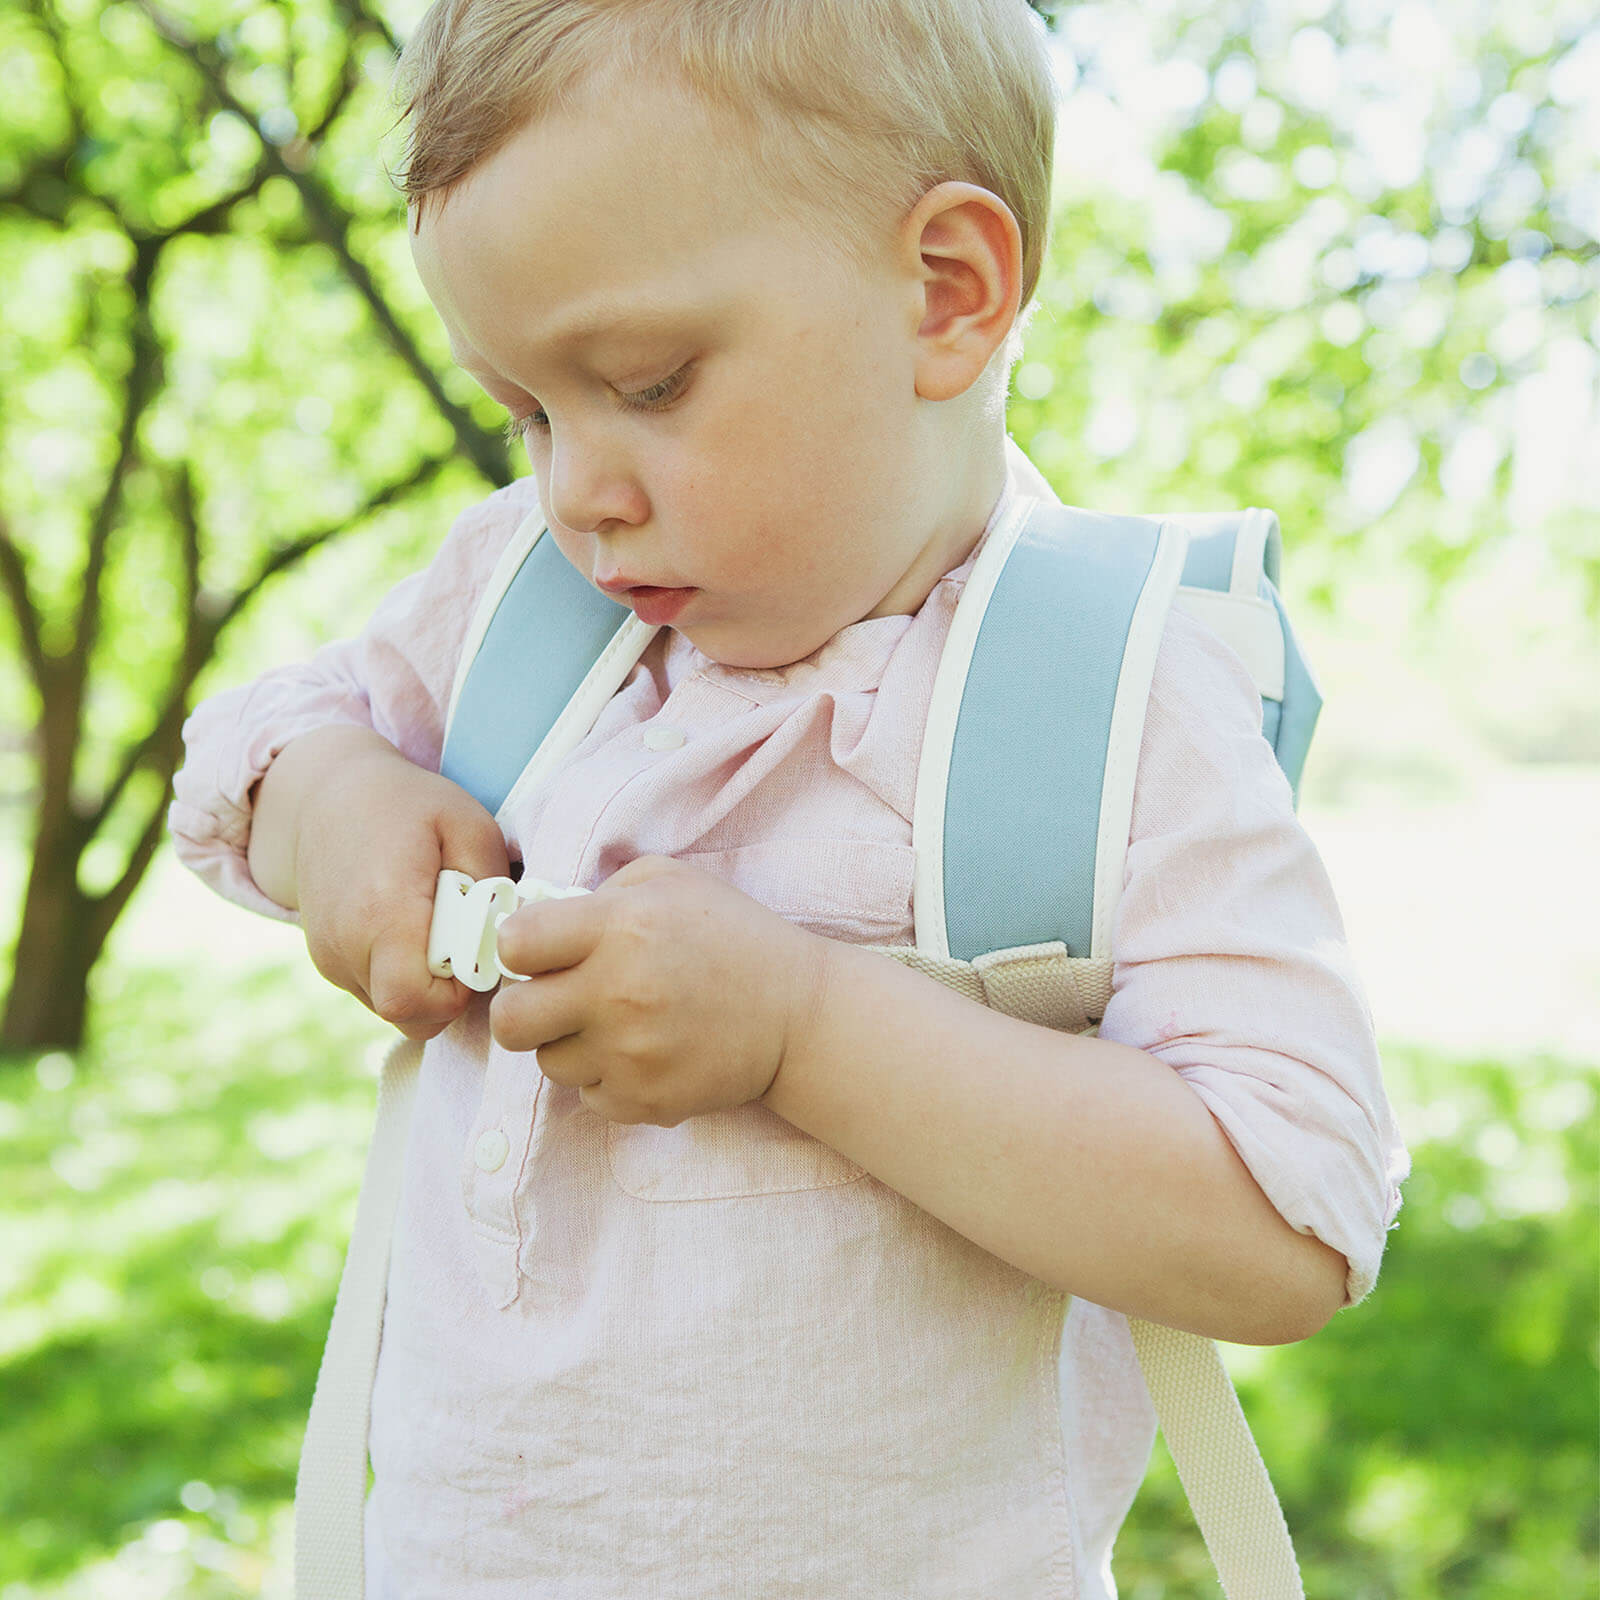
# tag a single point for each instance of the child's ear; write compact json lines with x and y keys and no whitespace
{"x":963,"y":244}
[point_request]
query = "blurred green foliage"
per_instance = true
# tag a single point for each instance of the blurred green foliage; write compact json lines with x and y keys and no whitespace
{"x":171,"y":1229}
{"x":1334,"y":258}
{"x":175,"y":1201}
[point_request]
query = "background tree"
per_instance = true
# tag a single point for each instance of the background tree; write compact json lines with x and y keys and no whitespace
{"x":1336,"y":257}
{"x":206,"y":377}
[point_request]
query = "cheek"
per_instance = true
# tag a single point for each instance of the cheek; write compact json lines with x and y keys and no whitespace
{"x":780,"y":468}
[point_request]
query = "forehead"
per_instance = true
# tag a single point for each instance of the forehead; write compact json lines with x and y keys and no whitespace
{"x":643,"y":203}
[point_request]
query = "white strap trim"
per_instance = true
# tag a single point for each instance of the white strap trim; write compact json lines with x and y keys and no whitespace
{"x":1218,"y":1464}
{"x":1250,"y":553}
{"x":939,"y":732}
{"x":1127,"y":729}
{"x":1249,"y":625}
{"x":331,"y":1488}
{"x":603,"y":680}
{"x":605,"y":677}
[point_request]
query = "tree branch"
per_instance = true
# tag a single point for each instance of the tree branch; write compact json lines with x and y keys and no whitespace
{"x":349,"y":77}
{"x":210,"y":218}
{"x":104,"y":909}
{"x":286,"y":555}
{"x":144,"y":377}
{"x":158,"y":749}
{"x":378,"y":22}
{"x":19,"y":591}
{"x":188,"y":535}
{"x":485,"y":449}
{"x":199,"y":638}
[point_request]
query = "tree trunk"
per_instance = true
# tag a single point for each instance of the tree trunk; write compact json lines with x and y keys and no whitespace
{"x":56,"y":948}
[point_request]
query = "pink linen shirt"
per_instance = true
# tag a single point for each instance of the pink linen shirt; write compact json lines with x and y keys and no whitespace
{"x":721,"y":1360}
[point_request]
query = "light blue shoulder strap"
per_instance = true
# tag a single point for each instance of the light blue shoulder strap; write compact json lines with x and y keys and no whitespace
{"x":547,"y":628}
{"x":1025,"y":790}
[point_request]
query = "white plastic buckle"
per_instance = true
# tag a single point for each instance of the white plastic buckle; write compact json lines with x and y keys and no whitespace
{"x":464,"y":935}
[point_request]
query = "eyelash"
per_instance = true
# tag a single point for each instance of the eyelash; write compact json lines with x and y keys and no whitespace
{"x":656,"y":398}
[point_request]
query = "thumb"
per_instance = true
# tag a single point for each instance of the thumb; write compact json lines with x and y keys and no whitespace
{"x":470,"y":840}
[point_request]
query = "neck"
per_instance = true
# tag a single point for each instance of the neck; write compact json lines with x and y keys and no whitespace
{"x":966,"y":469}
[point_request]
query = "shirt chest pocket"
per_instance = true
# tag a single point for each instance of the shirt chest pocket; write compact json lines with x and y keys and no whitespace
{"x":858,"y":890}
{"x":722,"y":1155}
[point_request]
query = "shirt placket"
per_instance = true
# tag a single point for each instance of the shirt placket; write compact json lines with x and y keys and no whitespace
{"x":513,"y":1105}
{"x":497,"y":1151}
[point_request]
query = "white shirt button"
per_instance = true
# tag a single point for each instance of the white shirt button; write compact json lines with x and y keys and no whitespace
{"x":491,"y":1150}
{"x":658,"y":738}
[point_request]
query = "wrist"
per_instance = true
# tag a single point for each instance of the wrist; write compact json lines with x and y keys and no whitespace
{"x":810,"y":982}
{"x":299,"y":775}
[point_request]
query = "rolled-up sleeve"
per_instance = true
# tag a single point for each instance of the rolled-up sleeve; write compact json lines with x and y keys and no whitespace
{"x":395,"y":677}
{"x":1232,"y":964}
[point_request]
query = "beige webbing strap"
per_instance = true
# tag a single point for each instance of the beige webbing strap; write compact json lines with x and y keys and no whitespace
{"x":331,"y":1489}
{"x":1218,"y":1464}
{"x":1036,"y":982}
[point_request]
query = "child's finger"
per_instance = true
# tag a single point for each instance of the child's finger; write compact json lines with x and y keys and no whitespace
{"x":529,"y":1016}
{"x":470,"y":841}
{"x":401,"y":990}
{"x":551,"y":935}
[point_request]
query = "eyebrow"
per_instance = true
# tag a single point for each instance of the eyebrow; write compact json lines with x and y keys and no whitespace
{"x":608,"y":317}
{"x":622,"y":319}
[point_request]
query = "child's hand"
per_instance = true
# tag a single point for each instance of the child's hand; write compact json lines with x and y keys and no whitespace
{"x":664,"y":994}
{"x":370,"y":834}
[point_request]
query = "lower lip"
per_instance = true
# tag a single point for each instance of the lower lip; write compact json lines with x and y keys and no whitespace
{"x":657,"y":606}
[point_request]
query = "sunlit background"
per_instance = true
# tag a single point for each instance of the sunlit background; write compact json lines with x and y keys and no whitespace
{"x":1339,"y":259}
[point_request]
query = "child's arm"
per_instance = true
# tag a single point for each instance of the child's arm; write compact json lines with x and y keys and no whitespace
{"x":382,"y":697}
{"x":1222,"y":1157}
{"x":1088,"y":1163}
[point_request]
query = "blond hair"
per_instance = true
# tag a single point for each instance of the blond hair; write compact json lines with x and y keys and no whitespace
{"x":862,"y":105}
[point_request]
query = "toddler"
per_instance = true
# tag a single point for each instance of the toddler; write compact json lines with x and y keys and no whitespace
{"x":732,"y":1258}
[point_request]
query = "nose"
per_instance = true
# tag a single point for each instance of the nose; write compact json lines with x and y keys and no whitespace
{"x":590,"y":483}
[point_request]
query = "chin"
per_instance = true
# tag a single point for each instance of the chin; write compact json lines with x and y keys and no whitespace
{"x":731,"y":647}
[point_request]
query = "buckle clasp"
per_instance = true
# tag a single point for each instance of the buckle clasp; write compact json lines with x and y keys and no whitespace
{"x":465,"y":931}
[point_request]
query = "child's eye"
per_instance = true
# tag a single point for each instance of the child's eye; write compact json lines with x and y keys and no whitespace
{"x":519,"y":427}
{"x":659,"y":395}
{"x":656,"y":398}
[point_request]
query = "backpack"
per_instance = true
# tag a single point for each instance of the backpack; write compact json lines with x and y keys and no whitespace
{"x":1057,"y":629}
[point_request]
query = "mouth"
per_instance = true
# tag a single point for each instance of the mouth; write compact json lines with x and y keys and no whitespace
{"x":651,"y":604}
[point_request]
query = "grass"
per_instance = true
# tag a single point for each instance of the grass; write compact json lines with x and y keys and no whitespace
{"x":175,"y":1205}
